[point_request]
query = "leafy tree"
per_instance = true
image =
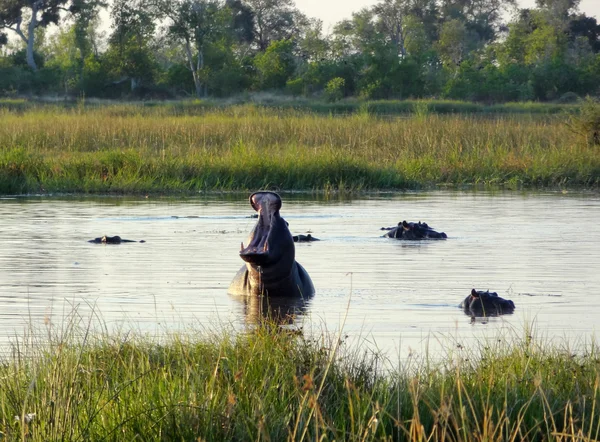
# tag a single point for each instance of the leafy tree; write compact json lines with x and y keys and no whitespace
{"x":66,"y":57}
{"x":455,"y":43}
{"x":130,"y":55}
{"x":23,"y":17}
{"x":195,"y":23}
{"x":392,"y":16}
{"x":273,"y":20}
{"x":203,"y":24}
{"x":276,"y":65}
{"x":588,"y":27}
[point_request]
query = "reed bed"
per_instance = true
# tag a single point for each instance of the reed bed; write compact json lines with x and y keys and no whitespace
{"x":271,"y":384}
{"x":133,"y":149}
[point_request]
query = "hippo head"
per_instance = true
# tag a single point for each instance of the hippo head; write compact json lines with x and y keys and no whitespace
{"x":419,"y":231}
{"x":480,"y":303}
{"x":270,"y":243}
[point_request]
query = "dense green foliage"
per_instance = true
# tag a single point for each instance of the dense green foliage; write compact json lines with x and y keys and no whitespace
{"x":188,"y":147}
{"x":273,"y":384}
{"x":455,"y":49}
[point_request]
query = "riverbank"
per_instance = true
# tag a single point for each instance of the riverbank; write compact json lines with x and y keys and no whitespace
{"x":278,"y":385}
{"x":130,"y":149}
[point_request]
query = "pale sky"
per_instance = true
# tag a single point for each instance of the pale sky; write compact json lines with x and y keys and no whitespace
{"x":332,"y":11}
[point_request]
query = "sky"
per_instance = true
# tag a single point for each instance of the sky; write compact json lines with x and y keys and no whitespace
{"x":332,"y":11}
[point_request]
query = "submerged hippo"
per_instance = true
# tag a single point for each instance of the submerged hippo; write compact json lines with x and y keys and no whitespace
{"x":111,"y":240}
{"x":480,"y":303}
{"x":271,"y":268}
{"x":413,"y":231}
{"x":304,"y":238}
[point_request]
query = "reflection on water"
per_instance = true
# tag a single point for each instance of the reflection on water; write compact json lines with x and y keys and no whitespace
{"x":538,"y":249}
{"x":278,"y":310}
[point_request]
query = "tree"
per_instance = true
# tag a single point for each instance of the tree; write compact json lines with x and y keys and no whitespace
{"x":482,"y":17}
{"x":392,"y":16}
{"x":129,"y":54}
{"x":198,"y":24}
{"x":276,"y":65}
{"x":454,"y":43}
{"x":273,"y":20}
{"x":23,"y":17}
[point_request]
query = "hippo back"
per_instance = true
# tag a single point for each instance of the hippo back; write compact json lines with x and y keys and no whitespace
{"x":480,"y":303}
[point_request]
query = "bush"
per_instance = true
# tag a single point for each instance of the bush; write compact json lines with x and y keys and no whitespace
{"x":587,"y":122}
{"x":334,"y":91}
{"x":295,"y":87}
{"x":568,"y":98}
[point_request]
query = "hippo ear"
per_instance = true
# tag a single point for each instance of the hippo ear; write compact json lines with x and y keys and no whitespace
{"x":474,"y":293}
{"x":405,"y":225}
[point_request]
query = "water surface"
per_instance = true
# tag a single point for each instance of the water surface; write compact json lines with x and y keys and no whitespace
{"x":538,"y":249}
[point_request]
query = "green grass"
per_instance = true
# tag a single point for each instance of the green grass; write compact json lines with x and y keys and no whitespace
{"x":129,"y":148}
{"x":269,"y":101}
{"x":269,"y":384}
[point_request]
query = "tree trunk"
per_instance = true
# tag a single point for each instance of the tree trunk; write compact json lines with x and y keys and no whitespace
{"x":195,"y":69}
{"x":135,"y":83}
{"x":200,"y":67}
{"x":31,"y":37}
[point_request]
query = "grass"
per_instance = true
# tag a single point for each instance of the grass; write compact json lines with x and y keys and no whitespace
{"x":129,"y":148}
{"x":266,"y":100}
{"x":269,"y":384}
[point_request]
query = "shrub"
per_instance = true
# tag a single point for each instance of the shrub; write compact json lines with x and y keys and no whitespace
{"x":334,"y":91}
{"x":587,"y":122}
{"x":295,"y":87}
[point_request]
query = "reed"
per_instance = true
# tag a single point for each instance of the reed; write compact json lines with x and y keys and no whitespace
{"x":269,"y":384}
{"x":134,"y":149}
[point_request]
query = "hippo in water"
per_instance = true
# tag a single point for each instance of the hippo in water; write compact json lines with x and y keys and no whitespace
{"x":111,"y":240}
{"x":413,"y":231}
{"x":480,"y":303}
{"x":305,"y":238}
{"x":271,"y":268}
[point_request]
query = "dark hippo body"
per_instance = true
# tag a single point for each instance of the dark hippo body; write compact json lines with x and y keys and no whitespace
{"x":111,"y":240}
{"x":480,"y":303}
{"x":413,"y":231}
{"x":271,"y":268}
{"x":304,"y":238}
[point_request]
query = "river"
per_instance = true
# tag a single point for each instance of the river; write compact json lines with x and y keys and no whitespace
{"x":540,"y":249}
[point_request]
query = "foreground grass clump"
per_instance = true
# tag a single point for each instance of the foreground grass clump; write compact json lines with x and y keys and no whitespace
{"x":130,"y":149}
{"x":275,"y":385}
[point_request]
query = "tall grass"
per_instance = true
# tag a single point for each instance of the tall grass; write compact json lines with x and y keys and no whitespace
{"x":127,"y":148}
{"x":270,"y":384}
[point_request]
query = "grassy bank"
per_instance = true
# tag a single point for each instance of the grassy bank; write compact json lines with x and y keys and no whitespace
{"x":133,"y":149}
{"x":272,"y":385}
{"x":269,"y":101}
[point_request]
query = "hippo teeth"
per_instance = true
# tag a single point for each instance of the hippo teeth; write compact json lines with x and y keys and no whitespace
{"x":242,"y":247}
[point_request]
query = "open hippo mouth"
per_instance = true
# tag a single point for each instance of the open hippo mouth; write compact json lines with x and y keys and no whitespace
{"x":260,"y":249}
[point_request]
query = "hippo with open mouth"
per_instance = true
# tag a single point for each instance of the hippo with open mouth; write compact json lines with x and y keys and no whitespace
{"x":111,"y":240}
{"x":480,"y":303}
{"x":413,"y":231}
{"x":271,"y":268}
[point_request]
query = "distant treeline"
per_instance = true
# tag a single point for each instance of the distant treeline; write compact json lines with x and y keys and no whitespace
{"x":455,"y":49}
